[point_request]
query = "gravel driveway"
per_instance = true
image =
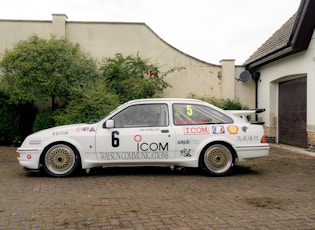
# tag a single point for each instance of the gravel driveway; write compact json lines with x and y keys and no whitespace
{"x":276,"y":192}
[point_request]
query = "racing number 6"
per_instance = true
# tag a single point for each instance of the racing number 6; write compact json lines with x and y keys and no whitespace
{"x":115,"y":140}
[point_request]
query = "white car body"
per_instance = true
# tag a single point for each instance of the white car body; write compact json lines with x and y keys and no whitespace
{"x":180,"y":136}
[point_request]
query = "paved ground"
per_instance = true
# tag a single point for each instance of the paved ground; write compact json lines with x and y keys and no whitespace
{"x":277,"y":192}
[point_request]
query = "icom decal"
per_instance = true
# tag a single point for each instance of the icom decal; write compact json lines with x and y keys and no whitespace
{"x":143,"y":150}
{"x":196,"y":130}
{"x":152,"y":146}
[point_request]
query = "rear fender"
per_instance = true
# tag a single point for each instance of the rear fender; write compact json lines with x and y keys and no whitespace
{"x":213,"y":140}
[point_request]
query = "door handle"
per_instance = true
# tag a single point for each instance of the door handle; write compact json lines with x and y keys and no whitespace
{"x":164,"y":131}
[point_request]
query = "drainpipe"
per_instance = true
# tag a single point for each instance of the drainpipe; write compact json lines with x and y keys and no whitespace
{"x":256,"y":77}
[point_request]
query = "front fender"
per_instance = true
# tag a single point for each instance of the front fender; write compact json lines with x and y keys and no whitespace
{"x":80,"y":146}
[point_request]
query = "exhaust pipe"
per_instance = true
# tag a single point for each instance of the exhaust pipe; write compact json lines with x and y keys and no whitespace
{"x":180,"y":169}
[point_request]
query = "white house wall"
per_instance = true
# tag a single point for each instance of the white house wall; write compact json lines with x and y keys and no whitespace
{"x":104,"y":39}
{"x":295,"y":66}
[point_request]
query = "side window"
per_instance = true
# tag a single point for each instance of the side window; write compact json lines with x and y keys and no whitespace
{"x":144,"y":115}
{"x":184,"y":114}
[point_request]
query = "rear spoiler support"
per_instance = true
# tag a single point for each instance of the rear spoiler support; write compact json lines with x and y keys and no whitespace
{"x":244,"y":113}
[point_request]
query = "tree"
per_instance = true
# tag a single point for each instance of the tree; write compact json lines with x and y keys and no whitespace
{"x":92,"y":102}
{"x":15,"y":121}
{"x":37,"y":70}
{"x":132,"y":77}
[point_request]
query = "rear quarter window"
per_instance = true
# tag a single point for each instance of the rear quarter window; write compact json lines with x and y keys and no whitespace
{"x":187,"y":114}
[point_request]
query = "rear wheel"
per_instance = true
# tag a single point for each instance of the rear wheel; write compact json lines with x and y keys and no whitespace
{"x":217,"y":160}
{"x":60,"y":160}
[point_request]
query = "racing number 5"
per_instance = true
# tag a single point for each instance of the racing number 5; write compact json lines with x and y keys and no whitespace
{"x":189,"y":110}
{"x":115,"y":139}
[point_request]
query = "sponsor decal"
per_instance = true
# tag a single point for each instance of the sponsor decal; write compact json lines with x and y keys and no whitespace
{"x":152,"y":147}
{"x":149,"y":129}
{"x":83,"y":129}
{"x":92,"y":129}
{"x":188,"y":142}
{"x":248,"y":138}
{"x":196,"y":130}
{"x":185,"y":152}
{"x":35,"y":142}
{"x":144,"y":151}
{"x":218,"y":129}
{"x":116,"y":156}
{"x":60,"y":133}
{"x":232,"y":129}
{"x":137,"y":138}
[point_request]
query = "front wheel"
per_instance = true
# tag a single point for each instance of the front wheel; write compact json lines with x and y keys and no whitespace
{"x":217,"y":160}
{"x":60,"y":160}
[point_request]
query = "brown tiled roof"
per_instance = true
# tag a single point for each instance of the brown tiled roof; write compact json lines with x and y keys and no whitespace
{"x":293,"y":37}
{"x":277,"y":41}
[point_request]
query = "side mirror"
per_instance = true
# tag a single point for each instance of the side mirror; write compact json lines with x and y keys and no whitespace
{"x":109,"y":124}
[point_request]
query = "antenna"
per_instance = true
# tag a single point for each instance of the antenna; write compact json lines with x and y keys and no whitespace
{"x":244,"y":76}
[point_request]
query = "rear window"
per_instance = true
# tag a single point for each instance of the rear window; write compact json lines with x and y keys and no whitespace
{"x":187,"y":114}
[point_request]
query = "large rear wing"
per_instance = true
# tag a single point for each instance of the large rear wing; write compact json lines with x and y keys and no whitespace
{"x":244,"y":113}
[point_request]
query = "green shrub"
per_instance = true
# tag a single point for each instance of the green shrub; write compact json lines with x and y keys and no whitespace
{"x":89,"y":103}
{"x":226,"y":104}
{"x":233,"y":105}
{"x":15,"y":121}
{"x":43,"y":120}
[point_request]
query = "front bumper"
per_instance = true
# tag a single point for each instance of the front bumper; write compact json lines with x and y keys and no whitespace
{"x":29,"y":158}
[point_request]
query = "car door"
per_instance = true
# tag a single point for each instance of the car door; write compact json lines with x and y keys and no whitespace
{"x":141,"y":134}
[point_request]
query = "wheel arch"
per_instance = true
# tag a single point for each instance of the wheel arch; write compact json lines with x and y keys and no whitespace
{"x":72,"y":146}
{"x":225,"y":143}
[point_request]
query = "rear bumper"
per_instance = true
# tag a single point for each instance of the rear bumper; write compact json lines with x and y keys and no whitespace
{"x":252,"y":152}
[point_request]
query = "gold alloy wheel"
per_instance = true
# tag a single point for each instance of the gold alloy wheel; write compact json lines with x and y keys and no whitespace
{"x":218,"y":159}
{"x":60,"y":159}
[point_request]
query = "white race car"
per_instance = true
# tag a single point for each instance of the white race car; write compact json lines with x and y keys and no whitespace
{"x":176,"y":133}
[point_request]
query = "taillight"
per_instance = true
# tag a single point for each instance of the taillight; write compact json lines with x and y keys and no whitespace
{"x":18,"y":155}
{"x":263,"y":140}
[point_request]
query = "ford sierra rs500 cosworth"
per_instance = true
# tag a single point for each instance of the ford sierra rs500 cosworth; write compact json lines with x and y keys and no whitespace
{"x":148,"y":132}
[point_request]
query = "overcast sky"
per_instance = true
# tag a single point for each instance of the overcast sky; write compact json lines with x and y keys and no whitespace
{"x":209,"y":30}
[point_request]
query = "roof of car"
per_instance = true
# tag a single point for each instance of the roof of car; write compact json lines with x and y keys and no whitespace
{"x":164,"y":100}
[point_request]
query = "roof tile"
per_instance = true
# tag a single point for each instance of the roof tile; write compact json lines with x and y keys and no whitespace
{"x":277,"y":41}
